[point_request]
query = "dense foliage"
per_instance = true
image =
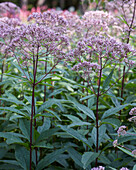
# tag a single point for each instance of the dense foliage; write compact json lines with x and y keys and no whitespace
{"x":68,"y":89}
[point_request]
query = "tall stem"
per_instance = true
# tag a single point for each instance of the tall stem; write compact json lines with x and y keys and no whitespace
{"x":97,"y":111}
{"x":31,"y":124}
{"x":45,"y":87}
{"x":35,"y":64}
{"x":1,"y":79}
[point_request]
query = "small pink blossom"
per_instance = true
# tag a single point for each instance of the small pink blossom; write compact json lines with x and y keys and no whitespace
{"x":121,"y":130}
{"x":115,"y":143}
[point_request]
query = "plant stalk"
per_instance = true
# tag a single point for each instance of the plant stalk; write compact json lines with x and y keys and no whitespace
{"x":97,"y":112}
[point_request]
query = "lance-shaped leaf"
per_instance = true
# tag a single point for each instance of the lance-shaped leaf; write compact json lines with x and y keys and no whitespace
{"x":88,"y":157}
{"x":76,"y":135}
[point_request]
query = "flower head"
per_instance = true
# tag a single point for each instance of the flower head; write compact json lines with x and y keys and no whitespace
{"x":121,"y":130}
{"x":123,"y":168}
{"x":98,"y":168}
{"x":9,"y":9}
{"x":133,"y":111}
{"x":115,"y":143}
{"x":134,"y":152}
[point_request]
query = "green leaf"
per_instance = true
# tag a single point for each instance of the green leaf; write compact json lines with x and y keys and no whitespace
{"x":76,"y":135}
{"x":46,"y":134}
{"x":24,"y":125}
{"x":126,"y":138}
{"x":12,"y":101}
{"x":87,"y":97}
{"x":102,"y":131}
{"x":58,"y":91}
{"x":46,"y":125}
{"x":113,"y":111}
{"x":10,"y":135}
{"x":53,"y":113}
{"x":125,"y":151}
{"x":13,"y":162}
{"x":82,"y":108}
{"x":22,"y":156}
{"x":76,"y":156}
{"x":85,"y":110}
{"x":49,"y":103}
{"x":13,"y":140}
{"x":12,"y":109}
{"x":43,"y":145}
{"x":104,"y":159}
{"x":79,"y":124}
{"x":134,"y":167}
{"x":50,"y":158}
{"x":88,"y":157}
{"x":72,"y":118}
{"x":15,"y":116}
{"x":112,"y":121}
{"x":107,"y":80}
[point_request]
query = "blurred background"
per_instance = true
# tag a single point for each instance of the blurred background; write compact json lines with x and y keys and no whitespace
{"x":62,"y":4}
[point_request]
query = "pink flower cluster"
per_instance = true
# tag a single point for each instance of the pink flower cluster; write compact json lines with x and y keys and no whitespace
{"x":121,"y":131}
{"x":98,"y":168}
{"x":9,"y":9}
{"x":132,"y":112}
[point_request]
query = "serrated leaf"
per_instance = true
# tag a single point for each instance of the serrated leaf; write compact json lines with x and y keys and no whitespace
{"x":125,"y":151}
{"x":44,"y":145}
{"x":46,"y":134}
{"x":50,"y":158}
{"x":53,"y":113}
{"x":107,"y":80}
{"x":79,"y":124}
{"x":76,"y":135}
{"x":13,"y":139}
{"x":102,"y":131}
{"x":25,"y":127}
{"x":10,"y":134}
{"x":76,"y":156}
{"x":113,"y":111}
{"x":58,"y":91}
{"x":49,"y":103}
{"x":126,"y":138}
{"x":88,"y":157}
{"x":13,"y":162}
{"x":12,"y":109}
{"x":87,"y":97}
{"x":112,"y":121}
{"x":12,"y":101}
{"x":22,"y":156}
{"x":82,"y":108}
{"x":46,"y":125}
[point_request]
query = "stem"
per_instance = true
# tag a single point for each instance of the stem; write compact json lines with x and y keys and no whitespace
{"x":31,"y":124}
{"x":45,"y":87}
{"x":97,"y":111}
{"x":2,"y":72}
{"x":46,"y":74}
{"x":35,"y":64}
